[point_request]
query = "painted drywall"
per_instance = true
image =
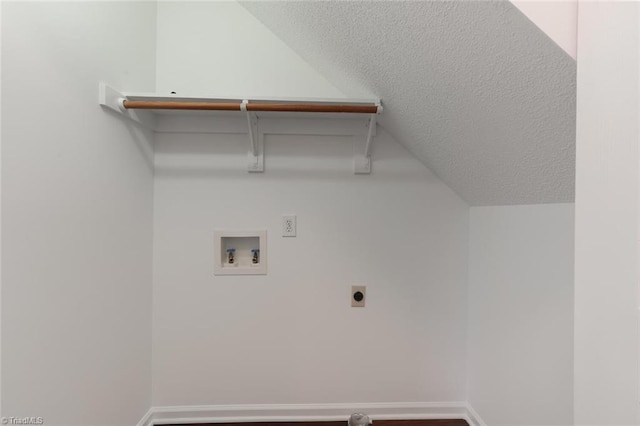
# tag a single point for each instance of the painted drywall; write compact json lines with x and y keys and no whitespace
{"x":606,"y":252}
{"x":474,"y":90}
{"x":521,"y":314}
{"x":0,"y":213}
{"x":220,"y":49}
{"x":76,"y":214}
{"x":291,"y":336}
{"x":558,"y":19}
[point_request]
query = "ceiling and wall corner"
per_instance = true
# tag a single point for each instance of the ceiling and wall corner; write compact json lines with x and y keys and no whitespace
{"x":218,"y":48}
{"x":558,"y":19}
{"x":475,"y":90}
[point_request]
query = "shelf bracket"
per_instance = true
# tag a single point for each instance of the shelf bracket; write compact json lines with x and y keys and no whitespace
{"x":362,"y":157}
{"x":112,"y":99}
{"x":256,"y":141}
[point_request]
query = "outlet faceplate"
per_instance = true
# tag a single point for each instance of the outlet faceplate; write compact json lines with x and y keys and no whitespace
{"x":358,"y":296}
{"x":289,"y":225}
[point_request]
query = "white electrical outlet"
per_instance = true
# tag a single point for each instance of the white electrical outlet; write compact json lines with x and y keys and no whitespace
{"x":289,"y":225}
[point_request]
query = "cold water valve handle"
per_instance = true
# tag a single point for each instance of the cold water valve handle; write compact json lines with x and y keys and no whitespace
{"x":231,"y":256}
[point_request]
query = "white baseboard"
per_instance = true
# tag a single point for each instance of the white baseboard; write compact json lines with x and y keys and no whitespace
{"x":144,"y":421}
{"x":308,"y":412}
{"x":473,"y":418}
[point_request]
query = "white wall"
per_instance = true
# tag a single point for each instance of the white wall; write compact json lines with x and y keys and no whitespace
{"x":606,"y":274}
{"x":291,"y":336}
{"x":220,"y":49}
{"x":77,"y":214}
{"x":521,"y":314}
{"x":1,"y":211}
{"x":288,"y":337}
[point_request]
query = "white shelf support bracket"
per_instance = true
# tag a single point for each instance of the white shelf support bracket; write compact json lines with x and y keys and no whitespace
{"x":256,"y":141}
{"x":362,"y":157}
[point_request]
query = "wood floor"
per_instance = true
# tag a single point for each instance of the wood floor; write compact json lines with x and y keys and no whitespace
{"x":454,"y":422}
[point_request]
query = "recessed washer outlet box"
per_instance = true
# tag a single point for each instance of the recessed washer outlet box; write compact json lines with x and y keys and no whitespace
{"x":240,"y":252}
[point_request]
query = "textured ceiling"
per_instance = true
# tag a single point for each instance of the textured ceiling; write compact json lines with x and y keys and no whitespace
{"x":478,"y":93}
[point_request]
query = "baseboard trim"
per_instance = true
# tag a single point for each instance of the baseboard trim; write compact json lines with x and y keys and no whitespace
{"x":146,"y":418}
{"x":308,"y":412}
{"x":473,"y":418}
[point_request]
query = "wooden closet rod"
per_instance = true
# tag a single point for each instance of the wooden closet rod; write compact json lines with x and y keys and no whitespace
{"x":256,"y":107}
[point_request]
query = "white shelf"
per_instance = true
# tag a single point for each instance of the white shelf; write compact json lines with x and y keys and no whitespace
{"x":148,"y":109}
{"x":177,"y":98}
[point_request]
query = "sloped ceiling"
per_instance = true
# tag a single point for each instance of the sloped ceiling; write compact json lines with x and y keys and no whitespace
{"x":474,"y":89}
